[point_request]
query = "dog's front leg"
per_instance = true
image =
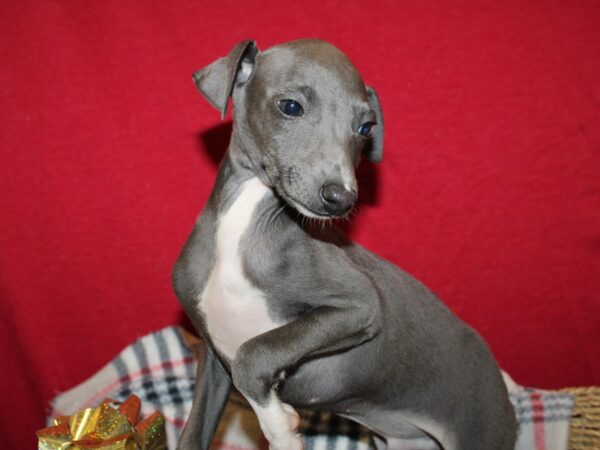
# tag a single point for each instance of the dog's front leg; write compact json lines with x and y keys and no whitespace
{"x":211,"y":392}
{"x":261,"y":361}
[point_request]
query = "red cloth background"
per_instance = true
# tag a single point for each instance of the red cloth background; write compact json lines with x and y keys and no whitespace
{"x":488,"y":191}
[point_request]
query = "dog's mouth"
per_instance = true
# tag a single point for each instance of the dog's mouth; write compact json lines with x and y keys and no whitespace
{"x":308,"y":212}
{"x":304,"y":209}
{"x":289,"y":186}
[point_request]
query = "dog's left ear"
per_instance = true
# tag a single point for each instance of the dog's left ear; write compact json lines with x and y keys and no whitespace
{"x":374,"y":148}
{"x":217,"y":80}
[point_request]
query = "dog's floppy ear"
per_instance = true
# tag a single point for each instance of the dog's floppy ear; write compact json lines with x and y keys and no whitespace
{"x":217,"y":80}
{"x":374,"y":148}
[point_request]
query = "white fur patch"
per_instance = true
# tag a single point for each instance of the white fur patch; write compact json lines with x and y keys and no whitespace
{"x":234,"y":309}
{"x":244,"y":74}
{"x":278,"y":422}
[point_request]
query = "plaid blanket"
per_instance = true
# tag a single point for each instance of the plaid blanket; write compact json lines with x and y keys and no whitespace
{"x":160,"y":369}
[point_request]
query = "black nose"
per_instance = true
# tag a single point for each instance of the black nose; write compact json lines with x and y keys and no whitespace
{"x":336,"y":199}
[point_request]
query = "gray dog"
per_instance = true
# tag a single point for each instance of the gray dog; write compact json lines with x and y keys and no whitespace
{"x":296,"y":315}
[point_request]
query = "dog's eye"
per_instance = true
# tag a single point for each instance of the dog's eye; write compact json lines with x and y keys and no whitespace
{"x":290,"y":107}
{"x":366,"y":129}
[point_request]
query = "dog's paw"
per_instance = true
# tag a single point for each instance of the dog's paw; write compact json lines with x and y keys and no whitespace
{"x":293,"y":416}
{"x":284,"y":436}
{"x":278,"y":422}
{"x":288,"y":441}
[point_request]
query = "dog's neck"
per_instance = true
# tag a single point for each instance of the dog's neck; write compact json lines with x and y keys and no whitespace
{"x":236,"y":167}
{"x":245,"y":152}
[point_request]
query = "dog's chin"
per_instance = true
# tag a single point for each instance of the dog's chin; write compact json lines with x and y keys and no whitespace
{"x":311,"y":214}
{"x":324,"y":216}
{"x":302,"y":209}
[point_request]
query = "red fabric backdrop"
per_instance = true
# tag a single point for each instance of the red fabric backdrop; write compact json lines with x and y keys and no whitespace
{"x":488,"y":191}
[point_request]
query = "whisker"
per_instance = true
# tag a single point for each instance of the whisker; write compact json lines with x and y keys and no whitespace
{"x":276,"y":214}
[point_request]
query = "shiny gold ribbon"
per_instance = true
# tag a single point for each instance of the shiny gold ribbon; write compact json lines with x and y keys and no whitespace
{"x":106,"y":428}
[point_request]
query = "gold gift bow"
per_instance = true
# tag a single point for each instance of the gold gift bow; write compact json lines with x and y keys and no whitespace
{"x":105,"y":428}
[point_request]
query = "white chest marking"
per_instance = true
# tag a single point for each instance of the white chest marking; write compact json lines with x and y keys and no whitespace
{"x":235,"y":310}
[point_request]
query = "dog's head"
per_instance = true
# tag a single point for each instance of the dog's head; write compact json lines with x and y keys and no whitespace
{"x":302,"y":119}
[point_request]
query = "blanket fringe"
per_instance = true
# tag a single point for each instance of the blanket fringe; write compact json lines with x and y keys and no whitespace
{"x":585,"y":419}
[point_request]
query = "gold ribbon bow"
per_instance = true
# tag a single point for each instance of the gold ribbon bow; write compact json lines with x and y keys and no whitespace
{"x":106,"y":428}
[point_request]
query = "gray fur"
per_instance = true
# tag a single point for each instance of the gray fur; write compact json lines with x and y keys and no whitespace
{"x":360,"y":338}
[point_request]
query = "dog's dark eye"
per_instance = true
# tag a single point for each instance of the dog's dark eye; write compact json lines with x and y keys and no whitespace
{"x":290,"y":107}
{"x":366,"y":128}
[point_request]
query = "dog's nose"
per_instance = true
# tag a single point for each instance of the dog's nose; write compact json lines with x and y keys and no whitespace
{"x":336,"y":199}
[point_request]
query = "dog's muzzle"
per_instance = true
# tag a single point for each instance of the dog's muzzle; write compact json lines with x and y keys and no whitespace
{"x":336,"y":199}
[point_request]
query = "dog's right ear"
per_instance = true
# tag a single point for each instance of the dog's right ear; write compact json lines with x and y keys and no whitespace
{"x":374,"y":148}
{"x":217,"y":80}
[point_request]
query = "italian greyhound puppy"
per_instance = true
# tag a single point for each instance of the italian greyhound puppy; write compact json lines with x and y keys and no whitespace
{"x":295,"y":315}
